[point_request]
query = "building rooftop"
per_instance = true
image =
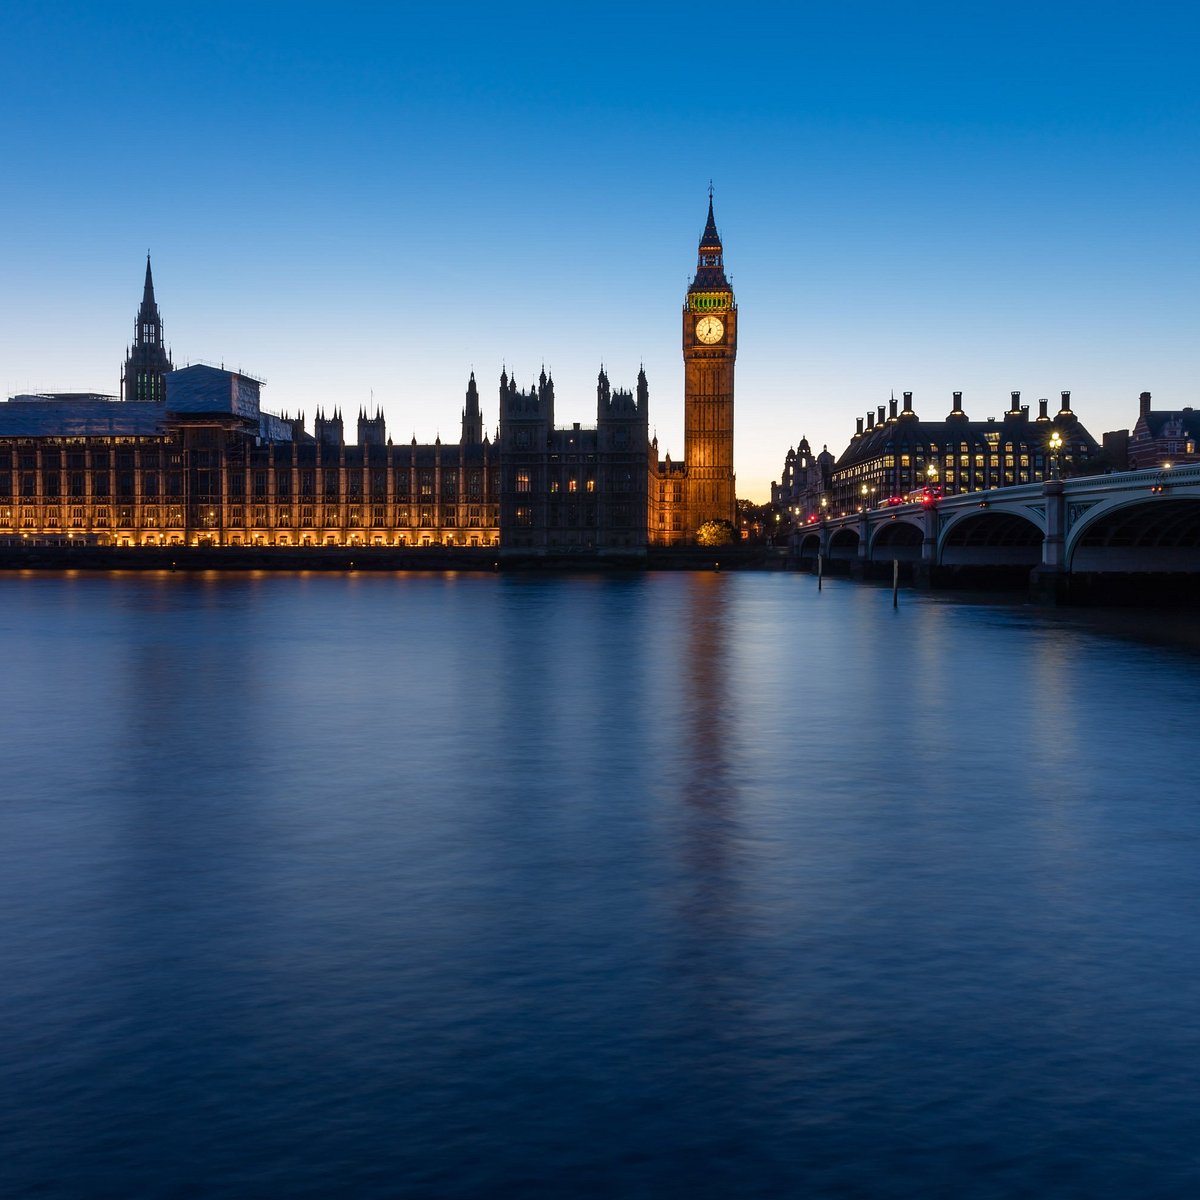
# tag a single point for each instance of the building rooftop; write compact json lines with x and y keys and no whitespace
{"x":86,"y":416}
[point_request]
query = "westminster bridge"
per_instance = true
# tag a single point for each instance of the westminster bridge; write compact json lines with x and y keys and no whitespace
{"x":1065,"y":535}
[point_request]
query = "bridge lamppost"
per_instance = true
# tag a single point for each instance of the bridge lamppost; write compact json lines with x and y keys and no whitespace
{"x":1055,"y":450}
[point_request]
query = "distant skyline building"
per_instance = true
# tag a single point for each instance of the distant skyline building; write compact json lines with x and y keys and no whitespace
{"x":189,"y":457}
{"x":684,"y":495}
{"x":1162,"y":436}
{"x":709,"y":352}
{"x":893,"y":453}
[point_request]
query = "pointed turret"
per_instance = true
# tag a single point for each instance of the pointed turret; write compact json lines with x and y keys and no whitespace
{"x":147,"y":362}
{"x":710,"y":266}
{"x":472,"y":418}
{"x":149,"y":310}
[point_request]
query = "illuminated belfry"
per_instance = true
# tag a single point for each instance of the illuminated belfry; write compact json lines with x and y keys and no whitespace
{"x":146,"y":362}
{"x":709,"y":351}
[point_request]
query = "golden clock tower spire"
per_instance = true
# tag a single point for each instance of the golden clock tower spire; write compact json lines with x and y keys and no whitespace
{"x":709,"y":351}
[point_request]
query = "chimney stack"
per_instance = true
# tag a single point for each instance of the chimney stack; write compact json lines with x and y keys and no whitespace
{"x":858,"y":432}
{"x":879,"y":418}
{"x":1015,"y":406}
{"x":1065,"y":411}
{"x":892,"y":410}
{"x":908,"y":408}
{"x":870,"y":421}
{"x":1144,"y":406}
{"x":1043,"y":415}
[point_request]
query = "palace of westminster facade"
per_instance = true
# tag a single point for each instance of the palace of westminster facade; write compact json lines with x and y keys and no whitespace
{"x":189,"y":457}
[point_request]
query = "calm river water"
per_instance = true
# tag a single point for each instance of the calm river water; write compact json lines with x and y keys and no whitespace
{"x":668,"y":885}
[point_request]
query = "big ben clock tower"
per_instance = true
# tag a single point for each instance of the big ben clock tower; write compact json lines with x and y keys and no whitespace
{"x":709,"y":350}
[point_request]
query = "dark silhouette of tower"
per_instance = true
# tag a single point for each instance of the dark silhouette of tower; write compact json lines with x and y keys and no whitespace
{"x":709,"y":351}
{"x":146,"y":362}
{"x":472,"y":417}
{"x":329,"y":431}
{"x":372,"y":431}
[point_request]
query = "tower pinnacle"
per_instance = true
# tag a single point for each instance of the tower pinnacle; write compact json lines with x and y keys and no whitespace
{"x":143,"y":376}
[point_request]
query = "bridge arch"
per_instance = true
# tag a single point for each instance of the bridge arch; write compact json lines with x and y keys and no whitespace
{"x":809,"y":545}
{"x":899,"y":539}
{"x":843,"y":543}
{"x":992,"y":536}
{"x":1139,"y":533}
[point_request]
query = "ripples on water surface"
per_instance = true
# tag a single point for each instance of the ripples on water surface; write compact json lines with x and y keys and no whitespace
{"x":668,"y":885}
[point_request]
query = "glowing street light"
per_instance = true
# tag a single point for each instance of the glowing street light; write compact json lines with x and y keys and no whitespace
{"x":1055,"y":449}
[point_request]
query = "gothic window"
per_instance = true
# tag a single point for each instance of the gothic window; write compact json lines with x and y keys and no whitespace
{"x":522,"y":481}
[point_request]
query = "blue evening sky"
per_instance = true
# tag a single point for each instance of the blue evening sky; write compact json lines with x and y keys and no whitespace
{"x":355,"y":198}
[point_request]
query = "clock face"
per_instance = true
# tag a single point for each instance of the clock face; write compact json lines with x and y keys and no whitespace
{"x":709,"y":330}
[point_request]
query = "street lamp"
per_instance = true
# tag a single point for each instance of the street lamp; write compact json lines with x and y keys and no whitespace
{"x":1055,"y":449}
{"x":863,"y":492}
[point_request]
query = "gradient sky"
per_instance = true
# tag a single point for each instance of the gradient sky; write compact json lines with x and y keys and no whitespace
{"x":355,"y":198}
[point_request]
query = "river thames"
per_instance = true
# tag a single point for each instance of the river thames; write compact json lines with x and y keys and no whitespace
{"x":695,"y":885}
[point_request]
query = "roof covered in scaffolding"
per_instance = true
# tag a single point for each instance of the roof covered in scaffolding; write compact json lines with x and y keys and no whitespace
{"x":65,"y":416}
